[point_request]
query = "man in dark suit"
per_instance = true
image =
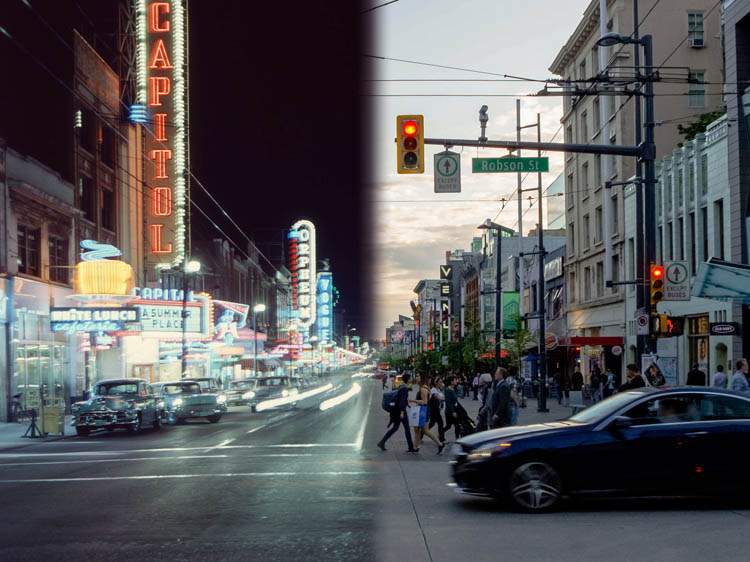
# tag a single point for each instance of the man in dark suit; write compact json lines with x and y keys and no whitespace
{"x":696,"y":377}
{"x":500,"y":408}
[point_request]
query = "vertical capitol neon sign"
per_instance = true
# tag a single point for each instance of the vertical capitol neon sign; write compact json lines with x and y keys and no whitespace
{"x":162,"y":80}
{"x":302,"y":237}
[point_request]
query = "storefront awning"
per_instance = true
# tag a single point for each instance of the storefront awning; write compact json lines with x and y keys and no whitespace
{"x":590,"y":340}
{"x":722,"y":280}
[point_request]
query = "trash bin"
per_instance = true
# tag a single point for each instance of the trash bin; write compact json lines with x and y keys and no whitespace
{"x":53,"y":418}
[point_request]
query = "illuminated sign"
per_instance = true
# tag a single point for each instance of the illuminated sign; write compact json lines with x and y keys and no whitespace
{"x":325,"y":306}
{"x":74,"y":320}
{"x":157,"y":294}
{"x":161,"y":312}
{"x":97,"y":275}
{"x":162,"y":81}
{"x":96,"y":251}
{"x":302,"y":265}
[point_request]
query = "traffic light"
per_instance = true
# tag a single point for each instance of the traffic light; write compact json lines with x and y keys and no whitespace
{"x":657,"y":285}
{"x":410,"y":141}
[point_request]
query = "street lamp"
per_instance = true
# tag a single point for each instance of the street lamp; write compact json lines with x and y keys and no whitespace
{"x":257,"y":308}
{"x":190,"y":267}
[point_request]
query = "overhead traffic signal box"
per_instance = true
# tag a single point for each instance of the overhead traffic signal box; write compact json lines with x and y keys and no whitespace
{"x":410,"y":144}
{"x":657,"y":285}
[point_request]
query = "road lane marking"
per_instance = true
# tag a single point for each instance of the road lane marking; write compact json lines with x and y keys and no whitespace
{"x":177,"y":476}
{"x":222,"y":444}
{"x":361,"y":434}
{"x":174,"y":449}
{"x":116,"y":460}
{"x":257,"y":428}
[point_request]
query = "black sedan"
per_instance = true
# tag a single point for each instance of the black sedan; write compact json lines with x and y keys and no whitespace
{"x":644,"y":442}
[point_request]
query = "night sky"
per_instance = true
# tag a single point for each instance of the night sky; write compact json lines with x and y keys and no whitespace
{"x":276,"y":120}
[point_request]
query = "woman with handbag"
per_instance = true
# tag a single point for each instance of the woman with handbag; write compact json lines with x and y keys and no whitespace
{"x":422,"y":401}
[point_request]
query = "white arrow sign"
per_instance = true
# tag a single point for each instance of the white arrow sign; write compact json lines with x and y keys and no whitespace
{"x":447,"y":166}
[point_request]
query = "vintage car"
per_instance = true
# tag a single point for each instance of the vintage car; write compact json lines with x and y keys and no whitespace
{"x":211,"y":386}
{"x":237,"y":389}
{"x":125,"y":403}
{"x":180,"y":400}
{"x":269,"y":388}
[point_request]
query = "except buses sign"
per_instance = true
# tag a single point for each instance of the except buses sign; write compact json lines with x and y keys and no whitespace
{"x":509,"y":164}
{"x":161,"y":34}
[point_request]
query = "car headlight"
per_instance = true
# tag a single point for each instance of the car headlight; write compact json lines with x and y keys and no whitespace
{"x":285,"y":393}
{"x":248,"y":395}
{"x":295,"y":391}
{"x":177,"y":402}
{"x":221,"y":399}
{"x":487,"y":450}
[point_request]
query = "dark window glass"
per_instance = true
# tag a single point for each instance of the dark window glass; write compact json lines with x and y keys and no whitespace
{"x":668,"y":409}
{"x":58,"y":259}
{"x":87,"y":134}
{"x":28,"y":250}
{"x":108,"y":146}
{"x":724,"y":408}
{"x":108,"y":209}
{"x":87,"y":197}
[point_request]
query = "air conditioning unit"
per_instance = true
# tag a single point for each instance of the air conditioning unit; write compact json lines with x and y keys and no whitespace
{"x":697,"y":43}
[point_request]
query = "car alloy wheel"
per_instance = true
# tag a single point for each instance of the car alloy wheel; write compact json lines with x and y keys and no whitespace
{"x":535,"y":486}
{"x":171,"y":418}
{"x":214,"y":418}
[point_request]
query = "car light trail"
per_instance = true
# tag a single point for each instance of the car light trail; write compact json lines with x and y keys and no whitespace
{"x":266,"y":404}
{"x":331,"y":402}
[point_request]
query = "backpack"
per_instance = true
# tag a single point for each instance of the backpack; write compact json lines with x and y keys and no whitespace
{"x":389,"y":400}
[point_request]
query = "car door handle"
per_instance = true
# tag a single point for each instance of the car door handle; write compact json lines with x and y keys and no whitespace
{"x":696,"y":433}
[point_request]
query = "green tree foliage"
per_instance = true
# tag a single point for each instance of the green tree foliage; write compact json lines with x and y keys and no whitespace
{"x":690,"y":130}
{"x":516,"y":347}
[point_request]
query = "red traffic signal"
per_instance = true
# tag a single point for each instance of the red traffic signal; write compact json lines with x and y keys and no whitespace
{"x":657,"y":271}
{"x":657,"y":284}
{"x":410,"y":144}
{"x":410,"y":128}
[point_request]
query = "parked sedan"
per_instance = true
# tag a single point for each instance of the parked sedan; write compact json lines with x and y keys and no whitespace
{"x":211,"y":386}
{"x":678,"y":441}
{"x":236,"y":390}
{"x":181,"y":400}
{"x":117,"y":403}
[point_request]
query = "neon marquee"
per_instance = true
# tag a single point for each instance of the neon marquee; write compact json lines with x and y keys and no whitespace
{"x":162,"y":79}
{"x":303,"y":267}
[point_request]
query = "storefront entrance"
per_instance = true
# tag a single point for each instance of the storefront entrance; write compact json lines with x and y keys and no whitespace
{"x":144,"y":372}
{"x":698,"y":338}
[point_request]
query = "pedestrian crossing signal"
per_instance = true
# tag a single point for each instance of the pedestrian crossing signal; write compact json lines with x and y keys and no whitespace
{"x":410,"y":144}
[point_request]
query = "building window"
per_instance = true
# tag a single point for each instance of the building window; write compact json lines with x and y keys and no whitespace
{"x":697,"y":89}
{"x":704,"y":174}
{"x":691,"y":180}
{"x":586,"y":232}
{"x":108,"y":146}
{"x":597,"y":116}
{"x":598,"y":169}
{"x":87,"y":197}
{"x":28,"y":250}
{"x":586,"y":284}
{"x":87,"y":131}
{"x":695,"y":29}
{"x":693,"y":253}
{"x":585,"y":178}
{"x":58,"y":259}
{"x":108,"y":209}
{"x":595,"y":60}
{"x":680,"y":188}
{"x":572,"y":241}
{"x":659,"y":191}
{"x":669,"y":242}
{"x":704,"y":228}
{"x":569,"y":134}
{"x":681,"y":238}
{"x":668,"y":191}
{"x":600,"y":279}
{"x":571,"y":191}
{"x":615,"y":217}
{"x":582,"y":67}
{"x":584,"y":127}
{"x":615,"y":272}
{"x":572,"y":287}
{"x":598,"y":225}
{"x":719,"y":228}
{"x":631,"y":262}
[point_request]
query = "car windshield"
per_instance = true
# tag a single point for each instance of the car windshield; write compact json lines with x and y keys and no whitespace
{"x":272,"y":382}
{"x":602,"y":409}
{"x":237,"y":385}
{"x":116,"y":389}
{"x":184,"y":388}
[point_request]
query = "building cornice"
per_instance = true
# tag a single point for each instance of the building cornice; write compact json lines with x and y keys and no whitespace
{"x":572,"y":47}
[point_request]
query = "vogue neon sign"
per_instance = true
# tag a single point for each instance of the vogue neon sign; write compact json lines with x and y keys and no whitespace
{"x":162,"y":80}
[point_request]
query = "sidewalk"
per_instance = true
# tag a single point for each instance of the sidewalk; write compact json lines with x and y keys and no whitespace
{"x":11,"y":434}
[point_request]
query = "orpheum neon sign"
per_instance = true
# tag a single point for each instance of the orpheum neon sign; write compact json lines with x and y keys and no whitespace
{"x":162,"y":79}
{"x":302,"y":266}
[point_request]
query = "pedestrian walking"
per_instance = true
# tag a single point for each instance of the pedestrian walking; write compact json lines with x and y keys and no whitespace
{"x":451,"y":406}
{"x":515,"y":399}
{"x":483,"y":416}
{"x":739,"y":379}
{"x":385,"y":380}
{"x":609,"y":384}
{"x":500,"y":407}
{"x":696,"y":377}
{"x":423,"y":401}
{"x":436,"y":404}
{"x":398,"y":416}
{"x":596,"y":386}
{"x":475,"y":386}
{"x":719,"y":378}
{"x":577,"y":381}
{"x":635,"y":379}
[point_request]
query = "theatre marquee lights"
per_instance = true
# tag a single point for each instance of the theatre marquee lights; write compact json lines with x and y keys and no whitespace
{"x":162,"y":81}
{"x":302,"y":266}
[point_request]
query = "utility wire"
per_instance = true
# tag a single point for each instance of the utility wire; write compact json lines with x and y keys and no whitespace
{"x":680,"y":43}
{"x":376,"y":7}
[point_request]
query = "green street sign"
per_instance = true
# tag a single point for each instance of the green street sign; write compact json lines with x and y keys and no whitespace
{"x":513,"y":164}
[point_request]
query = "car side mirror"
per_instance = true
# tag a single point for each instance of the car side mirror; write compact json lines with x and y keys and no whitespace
{"x":620,"y":422}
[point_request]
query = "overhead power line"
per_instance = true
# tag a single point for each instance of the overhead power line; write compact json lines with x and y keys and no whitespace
{"x":368,"y":10}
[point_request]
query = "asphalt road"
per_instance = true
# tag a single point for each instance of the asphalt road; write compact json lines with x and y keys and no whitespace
{"x":278,"y":485}
{"x":310,"y":485}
